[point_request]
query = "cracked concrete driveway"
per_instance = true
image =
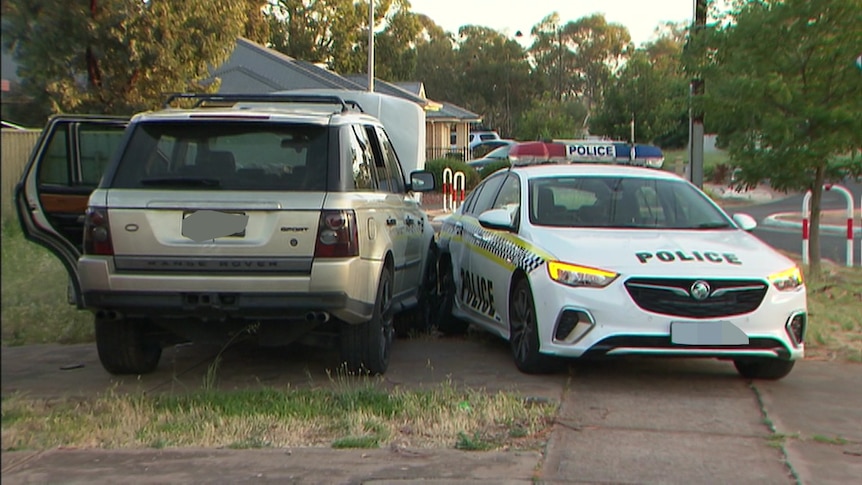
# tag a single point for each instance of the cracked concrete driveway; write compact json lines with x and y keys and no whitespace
{"x":620,"y":421}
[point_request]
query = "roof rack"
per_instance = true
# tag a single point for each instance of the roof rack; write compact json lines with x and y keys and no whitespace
{"x":231,"y":99}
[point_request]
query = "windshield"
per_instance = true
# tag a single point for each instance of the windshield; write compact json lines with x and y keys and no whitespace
{"x":224,"y":155}
{"x":621,"y":202}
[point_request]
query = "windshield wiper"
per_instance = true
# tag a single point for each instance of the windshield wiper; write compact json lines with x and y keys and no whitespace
{"x":712,"y":225}
{"x":182,"y":181}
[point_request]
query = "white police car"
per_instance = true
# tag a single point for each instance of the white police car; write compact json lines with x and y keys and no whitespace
{"x":581,"y":260}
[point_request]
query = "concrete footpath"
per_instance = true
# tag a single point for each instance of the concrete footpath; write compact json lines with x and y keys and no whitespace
{"x":619,"y":421}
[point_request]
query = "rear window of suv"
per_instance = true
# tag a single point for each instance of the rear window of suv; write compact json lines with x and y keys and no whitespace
{"x":225,"y":155}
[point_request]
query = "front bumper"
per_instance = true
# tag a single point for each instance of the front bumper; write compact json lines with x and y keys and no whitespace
{"x":618,"y":326}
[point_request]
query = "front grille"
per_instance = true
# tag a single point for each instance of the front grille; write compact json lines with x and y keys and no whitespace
{"x":672,"y":296}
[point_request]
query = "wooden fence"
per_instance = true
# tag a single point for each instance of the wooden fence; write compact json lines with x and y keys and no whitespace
{"x":17,"y":145}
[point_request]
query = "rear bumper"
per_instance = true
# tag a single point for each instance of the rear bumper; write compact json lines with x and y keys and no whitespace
{"x":346,"y":288}
{"x":228,"y":305}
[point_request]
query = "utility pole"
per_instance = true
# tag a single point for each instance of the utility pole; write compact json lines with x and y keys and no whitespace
{"x":371,"y":45}
{"x":695,"y":114}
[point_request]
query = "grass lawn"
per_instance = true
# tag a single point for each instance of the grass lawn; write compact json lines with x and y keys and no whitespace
{"x":352,"y":414}
{"x":34,"y":309}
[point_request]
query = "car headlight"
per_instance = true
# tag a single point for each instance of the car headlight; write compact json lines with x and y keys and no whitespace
{"x":574,"y":275}
{"x":787,"y":280}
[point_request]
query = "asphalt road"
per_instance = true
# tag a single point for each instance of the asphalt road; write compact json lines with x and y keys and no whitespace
{"x":833,"y":246}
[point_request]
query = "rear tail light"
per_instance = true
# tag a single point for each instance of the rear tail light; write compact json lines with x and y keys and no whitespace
{"x":97,"y":232}
{"x":337,"y":235}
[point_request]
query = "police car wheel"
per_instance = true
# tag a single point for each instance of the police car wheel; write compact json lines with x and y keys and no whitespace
{"x":767,"y":369}
{"x":420,"y":319}
{"x":524,"y":332}
{"x":365,"y":347}
{"x":447,"y":323}
{"x":125,"y":345}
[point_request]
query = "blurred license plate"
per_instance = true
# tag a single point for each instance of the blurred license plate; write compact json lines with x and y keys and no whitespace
{"x":707,"y":333}
{"x":218,"y":220}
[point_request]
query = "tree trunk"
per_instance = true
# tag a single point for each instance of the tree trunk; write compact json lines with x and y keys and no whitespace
{"x":814,"y":227}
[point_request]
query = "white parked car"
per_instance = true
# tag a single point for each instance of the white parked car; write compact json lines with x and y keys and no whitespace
{"x":477,"y":137}
{"x":577,"y":260}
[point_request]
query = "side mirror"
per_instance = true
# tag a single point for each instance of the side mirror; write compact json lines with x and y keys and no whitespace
{"x":497,"y":219}
{"x":421,"y":181}
{"x":745,"y":221}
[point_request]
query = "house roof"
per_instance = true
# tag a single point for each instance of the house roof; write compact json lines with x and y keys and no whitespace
{"x":384,"y":87}
{"x":415,"y":87}
{"x":253,"y":68}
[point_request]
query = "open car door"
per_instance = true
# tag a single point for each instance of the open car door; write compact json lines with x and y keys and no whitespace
{"x":65,"y":167}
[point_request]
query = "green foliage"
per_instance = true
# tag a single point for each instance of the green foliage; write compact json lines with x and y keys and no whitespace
{"x":117,"y":56}
{"x":578,"y":57}
{"x":436,"y":167}
{"x":493,"y":167}
{"x":654,"y":90}
{"x":786,"y":99}
{"x":473,"y":443}
{"x":34,"y":309}
{"x":548,"y":118}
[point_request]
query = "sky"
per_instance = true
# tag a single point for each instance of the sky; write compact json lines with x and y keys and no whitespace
{"x":641,"y":17}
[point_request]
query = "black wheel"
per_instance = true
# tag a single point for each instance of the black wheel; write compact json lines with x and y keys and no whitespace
{"x":524,"y":332}
{"x":768,"y":369}
{"x":445,"y":321}
{"x":420,"y":319}
{"x":126,"y":346}
{"x":365,"y":347}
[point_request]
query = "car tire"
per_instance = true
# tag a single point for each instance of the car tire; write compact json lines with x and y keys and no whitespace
{"x":365,"y":347}
{"x":524,"y":332}
{"x":124,"y":346}
{"x":420,"y":319}
{"x":767,"y":369}
{"x":446,"y":322}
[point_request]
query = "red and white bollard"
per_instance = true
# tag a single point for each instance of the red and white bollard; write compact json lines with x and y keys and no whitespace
{"x":806,"y":212}
{"x":447,"y":187}
{"x":459,"y":182}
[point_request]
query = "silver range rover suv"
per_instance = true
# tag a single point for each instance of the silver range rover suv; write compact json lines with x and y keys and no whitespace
{"x":276,"y":215}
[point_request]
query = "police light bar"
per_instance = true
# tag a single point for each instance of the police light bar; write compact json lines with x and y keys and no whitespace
{"x":537,"y":153}
{"x":585,"y":151}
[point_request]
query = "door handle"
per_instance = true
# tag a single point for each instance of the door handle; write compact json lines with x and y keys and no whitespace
{"x":480,"y":237}
{"x":391,"y":221}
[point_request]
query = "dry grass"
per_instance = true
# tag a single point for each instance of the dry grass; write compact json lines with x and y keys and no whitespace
{"x":834,"y":308}
{"x":346,"y":416}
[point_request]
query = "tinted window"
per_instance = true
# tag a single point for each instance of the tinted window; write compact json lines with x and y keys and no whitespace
{"x":225,"y":155}
{"x":97,"y":145}
{"x":54,"y":168}
{"x":486,"y":196}
{"x":393,"y":167}
{"x":509,"y":198}
{"x":621,"y":202}
{"x":362,"y":160}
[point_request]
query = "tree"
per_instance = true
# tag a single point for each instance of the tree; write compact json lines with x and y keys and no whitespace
{"x":320,"y":31}
{"x":494,"y":76}
{"x":600,"y":49}
{"x":117,"y":56}
{"x":783,"y":94}
{"x":652,"y":89}
{"x":549,"y":118}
